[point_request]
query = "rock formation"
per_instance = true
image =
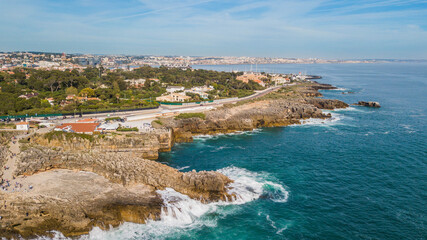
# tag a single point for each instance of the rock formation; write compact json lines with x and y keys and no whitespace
{"x":145,"y":145}
{"x":113,"y":188}
{"x":266,"y":113}
{"x":368,"y":104}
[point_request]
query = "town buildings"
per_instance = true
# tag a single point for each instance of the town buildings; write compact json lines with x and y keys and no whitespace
{"x":251,"y":76}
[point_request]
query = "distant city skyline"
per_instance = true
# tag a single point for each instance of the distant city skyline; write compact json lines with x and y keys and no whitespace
{"x":291,"y":29}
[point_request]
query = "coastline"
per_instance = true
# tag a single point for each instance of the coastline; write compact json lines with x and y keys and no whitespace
{"x":56,"y":155}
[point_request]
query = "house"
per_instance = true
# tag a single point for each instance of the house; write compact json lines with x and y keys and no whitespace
{"x":51,"y":101}
{"x":88,"y":120}
{"x":200,"y":93}
{"x":103,"y":86}
{"x":86,"y":128}
{"x":172,"y":89}
{"x":256,"y":77}
{"x":135,"y":83}
{"x":23,"y":126}
{"x":29,"y":95}
{"x":109,"y":126}
{"x":81,"y":99}
{"x":91,"y":99}
{"x":174,"y":97}
{"x":279,"y":80}
{"x":202,"y":89}
{"x":70,"y":97}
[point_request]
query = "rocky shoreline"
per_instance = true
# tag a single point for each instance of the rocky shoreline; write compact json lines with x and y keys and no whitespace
{"x":81,"y":182}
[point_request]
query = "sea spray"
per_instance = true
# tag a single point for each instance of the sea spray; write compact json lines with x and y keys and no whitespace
{"x":180,"y":213}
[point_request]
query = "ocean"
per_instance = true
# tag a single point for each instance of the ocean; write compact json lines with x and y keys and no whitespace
{"x":360,"y":175}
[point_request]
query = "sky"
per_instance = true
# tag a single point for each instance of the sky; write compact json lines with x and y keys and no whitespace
{"x":329,"y":29}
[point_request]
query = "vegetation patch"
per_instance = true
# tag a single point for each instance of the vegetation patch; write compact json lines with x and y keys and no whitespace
{"x":7,"y":126}
{"x":191,"y":115}
{"x":113,"y":119}
{"x":123,"y":129}
{"x":158,"y":121}
{"x":58,"y":135}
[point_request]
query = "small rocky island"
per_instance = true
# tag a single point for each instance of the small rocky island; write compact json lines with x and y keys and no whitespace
{"x":73,"y":182}
{"x":368,"y":104}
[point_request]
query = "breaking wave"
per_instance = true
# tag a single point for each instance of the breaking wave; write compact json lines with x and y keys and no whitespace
{"x":215,"y":136}
{"x":181,"y":214}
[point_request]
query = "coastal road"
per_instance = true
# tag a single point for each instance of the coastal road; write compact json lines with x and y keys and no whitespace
{"x":168,"y":110}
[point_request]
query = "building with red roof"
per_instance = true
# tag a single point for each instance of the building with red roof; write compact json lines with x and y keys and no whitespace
{"x":86,"y":128}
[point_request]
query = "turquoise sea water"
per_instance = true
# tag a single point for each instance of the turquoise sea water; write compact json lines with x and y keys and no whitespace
{"x":360,"y":175}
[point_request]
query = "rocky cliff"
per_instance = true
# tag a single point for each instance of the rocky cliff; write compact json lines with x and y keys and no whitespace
{"x":73,"y":203}
{"x":126,"y":169}
{"x":145,"y":145}
{"x":265,"y":113}
{"x":74,"y":191}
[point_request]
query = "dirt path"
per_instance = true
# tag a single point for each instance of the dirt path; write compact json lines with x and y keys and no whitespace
{"x":11,"y":183}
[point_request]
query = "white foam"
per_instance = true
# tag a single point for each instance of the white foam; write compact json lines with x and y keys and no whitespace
{"x":321,"y":122}
{"x":337,"y":89}
{"x":249,"y":186}
{"x":182,"y":168}
{"x":202,"y":137}
{"x":181,"y":214}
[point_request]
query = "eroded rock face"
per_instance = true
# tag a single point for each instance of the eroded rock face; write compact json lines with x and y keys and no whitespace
{"x":73,"y":203}
{"x":145,"y":145}
{"x":126,"y":169}
{"x":113,"y":188}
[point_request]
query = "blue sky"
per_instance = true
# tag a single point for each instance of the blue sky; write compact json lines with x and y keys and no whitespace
{"x":271,"y":28}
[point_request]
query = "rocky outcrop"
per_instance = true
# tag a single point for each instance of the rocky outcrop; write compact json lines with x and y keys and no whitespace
{"x":73,"y":191}
{"x":126,"y":169}
{"x":4,"y":153}
{"x":145,"y":145}
{"x":5,"y":136}
{"x":322,"y":86}
{"x":368,"y":104}
{"x":266,"y":113}
{"x":329,"y":104}
{"x":73,"y":203}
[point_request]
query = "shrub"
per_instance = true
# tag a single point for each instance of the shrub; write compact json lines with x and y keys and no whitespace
{"x":122,"y":129}
{"x":158,"y":121}
{"x":59,"y":135}
{"x":191,"y":115}
{"x":113,"y":119}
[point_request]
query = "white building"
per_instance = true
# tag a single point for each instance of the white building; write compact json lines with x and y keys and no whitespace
{"x":280,"y":80}
{"x":172,"y":89}
{"x":23,"y":126}
{"x":174,"y":97}
{"x":137,"y":83}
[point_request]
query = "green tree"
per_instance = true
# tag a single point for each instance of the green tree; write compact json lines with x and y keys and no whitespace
{"x":45,"y":104}
{"x":71,"y":91}
{"x":87,"y":92}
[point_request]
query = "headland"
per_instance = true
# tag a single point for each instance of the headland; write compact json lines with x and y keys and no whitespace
{"x":72,"y":182}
